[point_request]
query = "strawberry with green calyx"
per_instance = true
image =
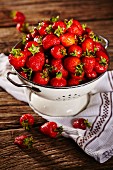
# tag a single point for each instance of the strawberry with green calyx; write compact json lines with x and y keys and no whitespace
{"x":54,"y":19}
{"x":17,"y":58}
{"x":80,"y":123}
{"x":41,"y":78}
{"x":27,"y":121}
{"x":24,"y":141}
{"x":74,"y":26}
{"x":23,"y":27}
{"x":17,"y":16}
{"x":75,"y":50}
{"x":31,"y":47}
{"x":59,"y":28}
{"x":51,"y":129}
{"x":44,"y":28}
{"x":71,"y":62}
{"x":36,"y":61}
{"x":26,"y":73}
{"x":79,"y":72}
{"x":88,"y":45}
{"x":58,"y":81}
{"x":58,"y":51}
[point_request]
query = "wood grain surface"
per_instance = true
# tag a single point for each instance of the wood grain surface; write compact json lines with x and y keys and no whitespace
{"x":47,"y":154}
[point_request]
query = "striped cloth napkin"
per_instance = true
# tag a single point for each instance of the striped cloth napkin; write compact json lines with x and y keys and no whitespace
{"x":96,"y":141}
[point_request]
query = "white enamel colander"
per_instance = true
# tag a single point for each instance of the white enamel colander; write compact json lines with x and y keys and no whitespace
{"x":53,"y":101}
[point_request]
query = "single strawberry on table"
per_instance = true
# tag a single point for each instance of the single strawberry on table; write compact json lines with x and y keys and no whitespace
{"x":23,"y":141}
{"x":51,"y":129}
{"x":80,"y":123}
{"x":27,"y":121}
{"x":17,"y":16}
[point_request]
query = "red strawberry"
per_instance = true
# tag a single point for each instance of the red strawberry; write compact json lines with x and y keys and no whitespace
{"x":41,"y":78}
{"x":68,"y":39}
{"x":75,"y":50}
{"x":44,"y":28}
{"x":24,"y":141}
{"x":18,"y":16}
{"x":88,"y":45}
{"x":59,"y":27}
{"x":80,"y":123}
{"x":49,"y":41}
{"x":74,"y":27}
{"x":58,"y":81}
{"x":58,"y":51}
{"x":22,"y":27}
{"x":101,"y":54}
{"x":31,"y":47}
{"x":57,"y":66}
{"x":36,"y":62}
{"x":70,"y":63}
{"x":91,"y":75}
{"x":51,"y":129}
{"x":89,"y":63}
{"x":101,"y":65}
{"x":27,"y":120}
{"x":17,"y":58}
{"x":73,"y":82}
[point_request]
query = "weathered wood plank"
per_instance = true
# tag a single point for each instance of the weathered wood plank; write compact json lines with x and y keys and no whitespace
{"x":96,"y":10}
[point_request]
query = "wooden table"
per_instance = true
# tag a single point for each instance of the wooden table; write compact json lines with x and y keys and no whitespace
{"x":47,"y":154}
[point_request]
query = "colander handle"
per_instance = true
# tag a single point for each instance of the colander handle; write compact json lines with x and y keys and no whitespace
{"x":105,"y":40}
{"x":20,"y":85}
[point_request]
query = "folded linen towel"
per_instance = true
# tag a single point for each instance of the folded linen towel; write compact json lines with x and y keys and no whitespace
{"x":96,"y":141}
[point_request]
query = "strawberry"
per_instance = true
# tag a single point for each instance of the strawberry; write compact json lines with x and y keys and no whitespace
{"x":17,"y":16}
{"x":51,"y":129}
{"x":75,"y":50}
{"x":36,"y":61}
{"x":91,"y":75}
{"x":26,"y":121}
{"x":17,"y":58}
{"x":57,"y":66}
{"x":59,"y":28}
{"x":49,"y":41}
{"x":67,"y":39}
{"x":74,"y":27}
{"x":58,"y":81}
{"x":58,"y":51}
{"x":41,"y":78}
{"x":73,"y":82}
{"x":44,"y":28}
{"x":24,"y":141}
{"x":80,"y":123}
{"x":88,"y":45}
{"x":31,"y":47}
{"x":70,"y":63}
{"x":22,"y":27}
{"x":89,"y":63}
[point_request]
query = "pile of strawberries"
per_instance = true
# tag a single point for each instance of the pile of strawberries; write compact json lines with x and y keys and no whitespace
{"x":59,"y":53}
